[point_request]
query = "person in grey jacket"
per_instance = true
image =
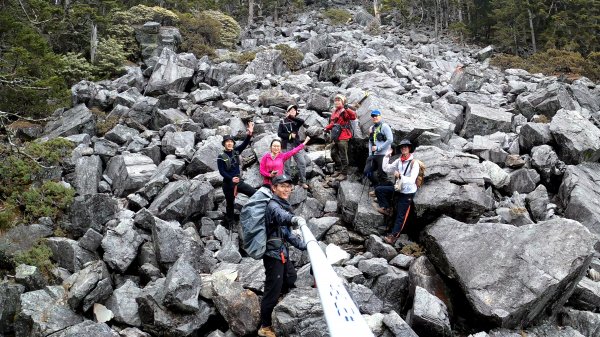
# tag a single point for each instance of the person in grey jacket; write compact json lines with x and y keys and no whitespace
{"x":279,"y":271}
{"x":380,"y":142}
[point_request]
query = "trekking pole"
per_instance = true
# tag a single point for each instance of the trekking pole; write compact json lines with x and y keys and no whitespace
{"x":341,"y":314}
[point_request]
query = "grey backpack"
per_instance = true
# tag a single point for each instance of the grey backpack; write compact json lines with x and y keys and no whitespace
{"x":254,"y":227}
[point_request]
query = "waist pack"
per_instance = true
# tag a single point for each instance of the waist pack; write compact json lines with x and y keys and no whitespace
{"x":336,"y":131}
{"x":253,"y":220}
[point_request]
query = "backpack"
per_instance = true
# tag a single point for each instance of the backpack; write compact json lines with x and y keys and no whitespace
{"x":254,"y":227}
{"x":230,"y":161}
{"x":336,"y":130}
{"x":421,"y":176}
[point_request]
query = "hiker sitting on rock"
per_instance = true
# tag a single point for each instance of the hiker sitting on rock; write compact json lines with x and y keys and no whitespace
{"x":229,"y":167}
{"x":341,"y":132}
{"x":288,"y":132}
{"x":403,"y":169}
{"x":380,"y":142}
{"x":271,"y":164}
{"x":280,"y":274}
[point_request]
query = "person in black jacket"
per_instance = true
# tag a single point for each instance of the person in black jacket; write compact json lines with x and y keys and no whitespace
{"x":279,"y":271}
{"x":288,"y":133}
{"x":229,"y":167}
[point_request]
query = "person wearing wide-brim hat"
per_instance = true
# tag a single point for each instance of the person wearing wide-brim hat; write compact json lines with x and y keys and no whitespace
{"x":228,"y":163}
{"x":403,"y":168}
{"x":288,"y":130}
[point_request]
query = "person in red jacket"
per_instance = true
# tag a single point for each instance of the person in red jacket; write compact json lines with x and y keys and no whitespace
{"x":341,"y":132}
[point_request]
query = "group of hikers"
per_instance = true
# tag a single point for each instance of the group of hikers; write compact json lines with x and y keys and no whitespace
{"x":275,"y":169}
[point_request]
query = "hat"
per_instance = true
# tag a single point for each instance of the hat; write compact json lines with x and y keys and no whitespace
{"x":406,"y":142}
{"x":341,"y":97}
{"x":375,"y":113}
{"x":293,"y":106}
{"x":226,"y":138}
{"x":284,"y":178}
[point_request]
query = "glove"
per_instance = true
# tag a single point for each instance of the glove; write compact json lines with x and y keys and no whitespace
{"x":346,"y":106}
{"x":298,"y":221}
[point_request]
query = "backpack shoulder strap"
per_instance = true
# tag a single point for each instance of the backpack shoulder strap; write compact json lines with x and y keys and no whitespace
{"x":410,"y":164}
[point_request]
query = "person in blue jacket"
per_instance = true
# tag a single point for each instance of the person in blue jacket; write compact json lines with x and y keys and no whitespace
{"x":280,"y":274}
{"x":380,"y":142}
{"x":228,"y":163}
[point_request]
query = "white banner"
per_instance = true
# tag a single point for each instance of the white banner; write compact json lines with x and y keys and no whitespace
{"x":342,"y":316}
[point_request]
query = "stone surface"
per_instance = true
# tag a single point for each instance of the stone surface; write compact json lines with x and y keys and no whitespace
{"x":300,"y":314}
{"x":239,"y":307}
{"x":577,"y":139}
{"x":123,"y":304}
{"x":120,"y":245}
{"x":10,"y":294}
{"x":129,"y":172}
{"x":483,"y":120}
{"x":429,"y":315}
{"x":545,"y":259}
{"x":579,"y":194}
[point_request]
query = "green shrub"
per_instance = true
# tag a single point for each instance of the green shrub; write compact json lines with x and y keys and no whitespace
{"x":103,"y":125}
{"x":337,"y":16}
{"x":507,"y":61}
{"x":140,"y":14}
{"x":245,"y":57}
{"x":592,"y":68}
{"x":49,"y":200}
{"x":553,"y":61}
{"x":198,"y":33}
{"x":75,"y":68}
{"x":38,"y":256}
{"x":110,"y":58}
{"x":292,"y":57}
{"x":230,"y":30}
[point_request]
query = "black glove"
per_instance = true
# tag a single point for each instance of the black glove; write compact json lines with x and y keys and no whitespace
{"x":346,"y":106}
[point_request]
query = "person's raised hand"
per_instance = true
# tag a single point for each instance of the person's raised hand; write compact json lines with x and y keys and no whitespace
{"x":306,"y":140}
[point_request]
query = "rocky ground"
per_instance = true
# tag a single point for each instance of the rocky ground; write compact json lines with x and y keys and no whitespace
{"x":509,"y":214}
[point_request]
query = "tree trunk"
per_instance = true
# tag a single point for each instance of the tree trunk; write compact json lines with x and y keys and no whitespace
{"x":514,"y":30}
{"x":376,"y":10}
{"x":533,"y":44}
{"x":93,"y":43}
{"x":250,"y":12}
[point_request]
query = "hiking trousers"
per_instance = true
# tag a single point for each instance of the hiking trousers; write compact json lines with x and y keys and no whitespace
{"x":228,"y":189}
{"x":300,"y":163}
{"x":279,"y":279}
{"x":403,"y":208}
{"x":378,"y":176}
{"x":339,"y":154}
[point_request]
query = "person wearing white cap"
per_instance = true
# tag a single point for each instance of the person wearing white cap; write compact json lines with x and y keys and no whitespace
{"x":288,"y":133}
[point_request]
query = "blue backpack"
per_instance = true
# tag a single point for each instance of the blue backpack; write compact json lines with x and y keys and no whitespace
{"x":254,"y":227}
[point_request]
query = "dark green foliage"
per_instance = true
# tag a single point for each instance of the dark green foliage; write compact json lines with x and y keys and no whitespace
{"x":292,"y":57}
{"x":337,"y":16}
{"x":22,"y":198}
{"x":38,"y":256}
{"x":198,"y":33}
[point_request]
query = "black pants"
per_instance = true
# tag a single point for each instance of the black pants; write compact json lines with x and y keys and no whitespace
{"x":280,"y":277}
{"x":228,"y":187}
{"x":378,"y":176}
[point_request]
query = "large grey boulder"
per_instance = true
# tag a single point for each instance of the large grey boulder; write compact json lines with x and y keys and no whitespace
{"x":239,"y":307}
{"x":276,"y":97}
{"x":74,"y":121}
{"x":182,"y":199}
{"x":171,"y":72}
{"x":546,"y":162}
{"x":92,"y":95}
{"x":161,"y":177}
{"x":392,"y":288}
{"x":68,"y":254}
{"x":10,"y":294}
{"x":153,"y":39}
{"x":537,"y":203}
{"x":588,"y":323}
{"x":180,"y":144}
{"x":348,"y":197}
{"x":523,"y":180}
{"x":339,"y":66}
{"x":586,"y":295}
{"x":200,"y":96}
{"x":120,"y":245}
{"x":88,"y":174}
{"x":364,"y":298}
{"x":158,"y":320}
{"x":123,"y":304}
{"x":171,"y":241}
{"x":534,"y":134}
{"x":239,"y":84}
{"x":545,"y":260}
{"x":143,"y":110}
{"x":300,"y":314}
{"x":30,"y":276}
{"x":91,"y":211}
{"x":87,"y":328}
{"x":205,"y":157}
{"x":182,"y":286}
{"x":468,"y":78}
{"x":579,"y":194}
{"x":545,"y":101}
{"x":121,"y":134}
{"x":454,"y":185}
{"x":483,"y":120}
{"x":268,"y":62}
{"x":129,"y":172}
{"x":429,"y":315}
{"x":577,"y":138}
{"x":44,"y":312}
{"x":23,"y":237}
{"x":163,"y":117}
{"x":218,"y":74}
{"x":82,"y":284}
{"x":251,"y":272}
{"x":397,"y":326}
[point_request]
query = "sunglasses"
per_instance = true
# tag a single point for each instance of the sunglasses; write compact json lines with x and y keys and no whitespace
{"x":373,"y":116}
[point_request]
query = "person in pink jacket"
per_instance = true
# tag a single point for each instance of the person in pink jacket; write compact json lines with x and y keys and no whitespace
{"x":272,"y":162}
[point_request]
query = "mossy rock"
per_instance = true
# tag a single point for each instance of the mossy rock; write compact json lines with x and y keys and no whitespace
{"x":230,"y":30}
{"x":292,"y":57}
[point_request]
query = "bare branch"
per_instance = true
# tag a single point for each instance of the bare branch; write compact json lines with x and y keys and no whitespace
{"x":21,"y":83}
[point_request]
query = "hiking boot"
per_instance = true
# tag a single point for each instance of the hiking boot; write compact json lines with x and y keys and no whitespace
{"x":372,"y":194}
{"x":266,"y":331}
{"x":340,"y":177}
{"x":335,"y":174}
{"x":390,"y":239}
{"x":304,"y":185}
